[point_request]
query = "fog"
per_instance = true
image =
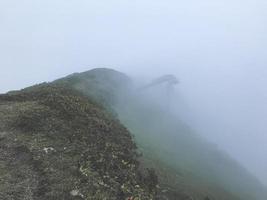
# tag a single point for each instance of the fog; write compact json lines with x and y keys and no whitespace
{"x":218,"y":50}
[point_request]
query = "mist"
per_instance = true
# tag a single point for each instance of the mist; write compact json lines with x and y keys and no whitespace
{"x":217,"y":49}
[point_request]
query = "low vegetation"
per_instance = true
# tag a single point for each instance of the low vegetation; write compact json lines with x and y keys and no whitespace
{"x":57,"y":144}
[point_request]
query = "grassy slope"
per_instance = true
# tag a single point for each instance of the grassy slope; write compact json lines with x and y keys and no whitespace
{"x":200,"y":168}
{"x":57,"y":144}
{"x":193,"y":170}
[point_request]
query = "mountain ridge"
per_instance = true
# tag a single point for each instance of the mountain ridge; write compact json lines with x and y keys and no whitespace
{"x":97,"y":100}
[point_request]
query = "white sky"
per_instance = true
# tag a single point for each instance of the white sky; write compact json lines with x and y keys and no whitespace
{"x":218,"y":48}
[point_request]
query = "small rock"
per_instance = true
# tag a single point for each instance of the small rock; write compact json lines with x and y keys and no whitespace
{"x":49,"y":149}
{"x":76,"y":193}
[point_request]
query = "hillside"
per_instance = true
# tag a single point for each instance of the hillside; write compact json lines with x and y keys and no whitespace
{"x":92,"y":135}
{"x":56,"y":143}
{"x":167,"y":144}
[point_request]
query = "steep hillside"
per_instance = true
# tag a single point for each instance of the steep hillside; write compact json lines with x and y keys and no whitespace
{"x":56,"y":143}
{"x":168,"y":145}
{"x":65,"y":140}
{"x":199,"y":168}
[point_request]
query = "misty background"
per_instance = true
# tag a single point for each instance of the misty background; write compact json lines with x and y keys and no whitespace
{"x":218,"y":50}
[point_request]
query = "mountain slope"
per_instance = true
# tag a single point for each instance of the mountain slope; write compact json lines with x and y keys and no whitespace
{"x":64,"y":140}
{"x":167,"y":144}
{"x":55,"y":143}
